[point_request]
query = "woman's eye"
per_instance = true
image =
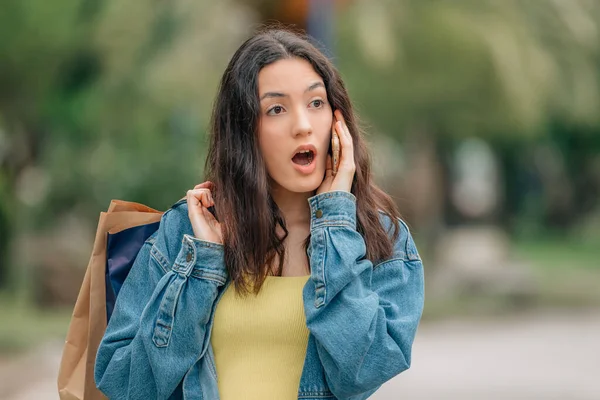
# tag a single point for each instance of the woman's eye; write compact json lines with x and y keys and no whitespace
{"x":317,"y":103}
{"x":275,"y":110}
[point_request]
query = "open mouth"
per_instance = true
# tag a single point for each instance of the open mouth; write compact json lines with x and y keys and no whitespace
{"x":303,"y":157}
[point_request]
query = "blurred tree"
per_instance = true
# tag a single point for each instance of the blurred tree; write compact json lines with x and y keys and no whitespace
{"x":108,"y":99}
{"x":442,"y":71}
{"x":473,"y":67}
{"x":102,"y":100}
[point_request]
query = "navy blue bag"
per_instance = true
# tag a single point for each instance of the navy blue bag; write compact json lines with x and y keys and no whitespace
{"x":121,"y":251}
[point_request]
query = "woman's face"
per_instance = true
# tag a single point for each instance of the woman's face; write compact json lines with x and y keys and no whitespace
{"x":295,"y":117}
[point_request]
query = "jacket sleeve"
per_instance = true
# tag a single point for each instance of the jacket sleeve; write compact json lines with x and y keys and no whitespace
{"x":157,"y":330}
{"x":364,"y":318}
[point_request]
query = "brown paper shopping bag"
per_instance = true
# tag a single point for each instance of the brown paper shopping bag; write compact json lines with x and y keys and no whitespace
{"x":88,"y":323}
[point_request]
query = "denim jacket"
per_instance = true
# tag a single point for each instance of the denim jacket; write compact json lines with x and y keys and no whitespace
{"x":362,"y":318}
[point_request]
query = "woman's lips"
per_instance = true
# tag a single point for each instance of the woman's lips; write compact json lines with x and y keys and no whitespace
{"x":306,"y":169}
{"x":309,"y":168}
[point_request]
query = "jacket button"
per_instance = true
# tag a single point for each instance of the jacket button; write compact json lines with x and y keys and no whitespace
{"x":319,"y":213}
{"x":189,"y":257}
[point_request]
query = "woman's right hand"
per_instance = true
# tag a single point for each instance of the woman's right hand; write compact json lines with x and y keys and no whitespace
{"x":204,"y":224}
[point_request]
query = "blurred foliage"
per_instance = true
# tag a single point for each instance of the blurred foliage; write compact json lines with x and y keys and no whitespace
{"x":111,"y":99}
{"x":107,"y":99}
{"x":473,"y":67}
{"x":103,"y":100}
{"x":523,"y":75}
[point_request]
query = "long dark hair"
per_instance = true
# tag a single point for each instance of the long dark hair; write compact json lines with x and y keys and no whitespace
{"x":248,"y":215}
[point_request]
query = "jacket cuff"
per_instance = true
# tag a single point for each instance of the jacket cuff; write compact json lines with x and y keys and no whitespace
{"x":200,"y":258}
{"x":337,"y":208}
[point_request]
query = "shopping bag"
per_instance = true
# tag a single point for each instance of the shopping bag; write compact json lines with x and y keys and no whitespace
{"x":120,"y":235}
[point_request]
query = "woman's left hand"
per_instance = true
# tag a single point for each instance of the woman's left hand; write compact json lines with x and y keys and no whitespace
{"x":342,"y":180}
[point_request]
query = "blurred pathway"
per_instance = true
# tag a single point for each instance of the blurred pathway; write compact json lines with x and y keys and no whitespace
{"x":538,"y":356}
{"x":545,"y":356}
{"x":31,"y":376}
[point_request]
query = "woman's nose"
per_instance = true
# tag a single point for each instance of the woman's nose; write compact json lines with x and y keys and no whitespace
{"x":302,"y":125}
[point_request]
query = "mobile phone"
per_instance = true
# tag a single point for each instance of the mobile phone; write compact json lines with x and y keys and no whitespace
{"x":335,"y":150}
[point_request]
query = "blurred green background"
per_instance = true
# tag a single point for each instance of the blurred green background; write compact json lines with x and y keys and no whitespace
{"x":482,"y":116}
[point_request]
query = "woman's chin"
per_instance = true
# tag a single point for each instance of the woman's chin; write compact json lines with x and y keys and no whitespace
{"x":303,"y":188}
{"x":302,"y":185}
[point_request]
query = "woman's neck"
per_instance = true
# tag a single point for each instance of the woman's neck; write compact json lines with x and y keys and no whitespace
{"x":293,"y":206}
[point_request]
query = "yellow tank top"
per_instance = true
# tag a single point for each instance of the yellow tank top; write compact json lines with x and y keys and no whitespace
{"x":260,"y":342}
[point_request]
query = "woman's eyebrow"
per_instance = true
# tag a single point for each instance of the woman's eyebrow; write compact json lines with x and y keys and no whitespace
{"x":314,"y":86}
{"x":280,"y":94}
{"x":272,"y":94}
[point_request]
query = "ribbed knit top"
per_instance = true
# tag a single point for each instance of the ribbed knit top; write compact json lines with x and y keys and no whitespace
{"x":260,"y":341}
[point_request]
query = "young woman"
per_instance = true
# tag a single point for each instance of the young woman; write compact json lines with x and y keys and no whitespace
{"x":300,"y":283}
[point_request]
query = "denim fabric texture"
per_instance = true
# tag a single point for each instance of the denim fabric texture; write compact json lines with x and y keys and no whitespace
{"x":362,"y":317}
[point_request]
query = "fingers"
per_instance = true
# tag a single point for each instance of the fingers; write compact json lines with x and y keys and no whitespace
{"x":202,"y":192}
{"x":198,"y":200}
{"x":205,"y":185}
{"x":347,"y":148}
{"x":196,"y":197}
{"x":342,"y":128}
